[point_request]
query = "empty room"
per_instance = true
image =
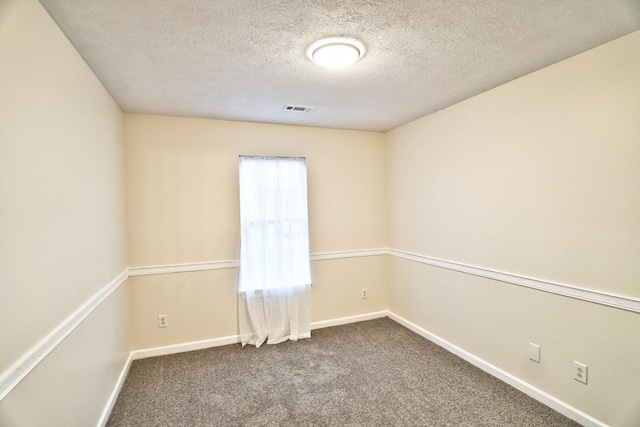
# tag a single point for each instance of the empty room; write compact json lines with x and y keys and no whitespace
{"x":330,"y":213}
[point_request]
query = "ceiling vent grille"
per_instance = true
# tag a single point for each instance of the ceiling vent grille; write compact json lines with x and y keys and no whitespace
{"x":301,"y":108}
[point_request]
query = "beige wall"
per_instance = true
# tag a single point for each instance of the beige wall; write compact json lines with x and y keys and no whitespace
{"x":182,"y":178}
{"x":62,"y":220}
{"x":540,"y":178}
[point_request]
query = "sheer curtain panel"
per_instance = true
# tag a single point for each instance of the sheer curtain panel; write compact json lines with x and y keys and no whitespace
{"x":274,"y":302}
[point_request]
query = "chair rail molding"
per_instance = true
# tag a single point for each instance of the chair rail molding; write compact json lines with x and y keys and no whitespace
{"x":596,"y":297}
{"x":16,"y":373}
{"x":610,"y":300}
{"x":218,"y":265}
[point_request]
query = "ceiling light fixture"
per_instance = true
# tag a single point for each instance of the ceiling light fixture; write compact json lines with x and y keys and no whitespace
{"x":336,"y":52}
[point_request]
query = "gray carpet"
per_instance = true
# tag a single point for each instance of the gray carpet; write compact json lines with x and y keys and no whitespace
{"x":374,"y":373}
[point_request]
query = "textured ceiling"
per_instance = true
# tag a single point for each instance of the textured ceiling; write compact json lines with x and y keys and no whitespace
{"x":245,"y":59}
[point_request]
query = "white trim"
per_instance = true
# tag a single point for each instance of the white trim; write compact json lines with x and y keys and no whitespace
{"x":348,"y":254}
{"x":217,"y":265}
{"x":16,"y":373}
{"x":531,"y":391}
{"x":234,"y":339}
{"x":350,"y":319}
{"x":182,"y":268}
{"x":183,"y":347}
{"x":602,"y":298}
{"x":116,"y":391}
{"x":610,"y":300}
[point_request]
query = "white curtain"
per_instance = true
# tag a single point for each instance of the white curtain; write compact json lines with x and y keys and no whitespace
{"x":275,"y":274}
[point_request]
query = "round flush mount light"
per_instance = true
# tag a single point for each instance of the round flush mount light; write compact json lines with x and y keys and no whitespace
{"x":335,"y":52}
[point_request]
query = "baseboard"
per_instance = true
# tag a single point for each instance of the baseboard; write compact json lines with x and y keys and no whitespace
{"x":183,"y":347}
{"x":350,"y":319}
{"x":233,"y":339}
{"x":531,"y":391}
{"x":116,"y":391}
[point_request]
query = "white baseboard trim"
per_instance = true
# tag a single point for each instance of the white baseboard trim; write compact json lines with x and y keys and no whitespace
{"x":12,"y":377}
{"x":102,"y":421}
{"x":234,"y":339}
{"x":531,"y":391}
{"x":350,"y":319}
{"x":183,"y":347}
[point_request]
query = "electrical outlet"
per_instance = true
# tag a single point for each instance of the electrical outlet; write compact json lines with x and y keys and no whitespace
{"x":163,"y":321}
{"x":534,"y":352}
{"x":364,"y":294}
{"x":580,"y":372}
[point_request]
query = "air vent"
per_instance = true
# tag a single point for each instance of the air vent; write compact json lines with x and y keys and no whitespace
{"x":302,"y":108}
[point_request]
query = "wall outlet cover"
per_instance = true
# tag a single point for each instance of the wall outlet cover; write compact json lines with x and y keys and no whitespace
{"x":580,"y":372}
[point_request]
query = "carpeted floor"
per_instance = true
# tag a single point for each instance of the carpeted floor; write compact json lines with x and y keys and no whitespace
{"x":374,"y":373}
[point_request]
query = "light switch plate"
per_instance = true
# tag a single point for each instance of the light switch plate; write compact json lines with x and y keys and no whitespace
{"x":534,"y":352}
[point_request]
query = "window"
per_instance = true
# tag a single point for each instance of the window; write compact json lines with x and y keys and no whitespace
{"x":275,"y":272}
